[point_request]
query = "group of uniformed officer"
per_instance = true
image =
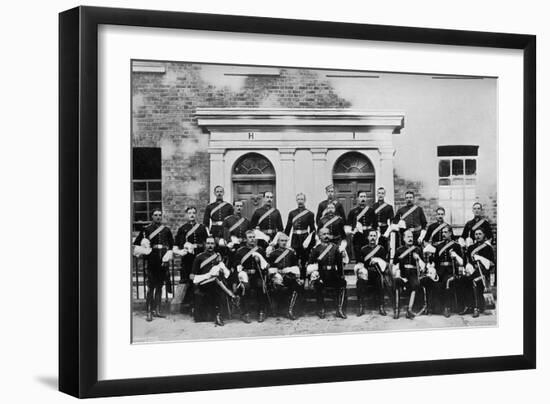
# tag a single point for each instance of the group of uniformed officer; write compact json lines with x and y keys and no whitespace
{"x":229,"y":258}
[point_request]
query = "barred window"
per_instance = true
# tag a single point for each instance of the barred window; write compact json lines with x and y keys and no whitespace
{"x":146,"y":184}
{"x":457,"y":181}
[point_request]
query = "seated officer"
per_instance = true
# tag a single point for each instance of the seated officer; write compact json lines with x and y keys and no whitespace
{"x":284,"y":274}
{"x":372,"y":269}
{"x":251,"y":270}
{"x":408,"y":265}
{"x":334,"y":224}
{"x":325,"y":269}
{"x":448,"y":259}
{"x":480,"y":259}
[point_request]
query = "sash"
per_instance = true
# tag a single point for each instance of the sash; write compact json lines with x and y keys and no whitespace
{"x":475,"y":226}
{"x":299,"y":215}
{"x":406,"y":252}
{"x":407,"y":213}
{"x":362,"y":213}
{"x":325,"y":252}
{"x":378,"y":209}
{"x":208,"y":260}
{"x":280,"y":257}
{"x":156,"y":231}
{"x":477,"y":249}
{"x":335,"y":218}
{"x":237,"y":224}
{"x":193,"y":229}
{"x":450,"y":243}
{"x":248,"y":254}
{"x":221,"y":205}
{"x":371,"y":254}
{"x":265,"y":215}
{"x":437,"y":230}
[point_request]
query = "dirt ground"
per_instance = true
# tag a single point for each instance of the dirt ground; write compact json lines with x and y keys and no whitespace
{"x":179,"y":327}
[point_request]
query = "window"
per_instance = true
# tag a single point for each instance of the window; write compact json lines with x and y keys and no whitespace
{"x":146,"y":184}
{"x":457,"y":181}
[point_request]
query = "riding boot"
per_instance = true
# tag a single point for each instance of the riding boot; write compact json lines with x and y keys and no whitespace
{"x":361,"y":308}
{"x":219,"y":319}
{"x":291,"y":305}
{"x":396,"y":305}
{"x":158,"y":301}
{"x":261,"y":316}
{"x":447,"y":312}
{"x":149,"y":312}
{"x":410,"y":314}
{"x":341,"y":300}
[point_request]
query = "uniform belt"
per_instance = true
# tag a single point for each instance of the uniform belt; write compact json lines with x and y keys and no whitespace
{"x":329,"y":267}
{"x":300,"y":231}
{"x":217,"y":223}
{"x":445,"y":264}
{"x":269,"y":231}
{"x":159,"y":246}
{"x":382,"y":224}
{"x":417,"y":228}
{"x":409,"y":266}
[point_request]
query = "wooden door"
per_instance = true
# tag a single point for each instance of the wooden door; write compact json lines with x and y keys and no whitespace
{"x":251,"y":192}
{"x":346,"y":191}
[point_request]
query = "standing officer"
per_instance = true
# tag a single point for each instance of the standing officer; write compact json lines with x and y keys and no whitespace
{"x":158,"y":240}
{"x":326,"y":270}
{"x":480,"y":259}
{"x":411,"y":217}
{"x":448,"y":259}
{"x":284,"y":274}
{"x":478,"y":222}
{"x":408,"y":265}
{"x":434,"y":233}
{"x":372,"y":259}
{"x":190,"y":239}
{"x":208,"y":277}
{"x":267,"y":218}
{"x":334,"y":224}
{"x":251,"y":266}
{"x":300,"y":224}
{"x":235,"y":226}
{"x":361,"y":219}
{"x":216,"y":212}
{"x":383,"y":213}
{"x":331,"y":198}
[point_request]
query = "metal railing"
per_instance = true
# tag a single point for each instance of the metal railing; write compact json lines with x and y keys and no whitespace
{"x":139,"y":278}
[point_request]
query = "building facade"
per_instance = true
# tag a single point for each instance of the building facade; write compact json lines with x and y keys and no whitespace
{"x":254,"y":129}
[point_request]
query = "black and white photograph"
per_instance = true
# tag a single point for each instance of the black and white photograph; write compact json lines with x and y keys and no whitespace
{"x":272,"y":201}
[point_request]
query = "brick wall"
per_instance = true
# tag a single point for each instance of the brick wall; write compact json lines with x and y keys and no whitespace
{"x":163,"y":116}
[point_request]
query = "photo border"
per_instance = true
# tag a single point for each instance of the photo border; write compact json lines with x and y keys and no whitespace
{"x":78,"y":200}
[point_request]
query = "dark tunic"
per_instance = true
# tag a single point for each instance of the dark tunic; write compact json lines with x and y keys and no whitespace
{"x":198,"y":237}
{"x":214,"y":216}
{"x":433,"y":233}
{"x":331,"y":261}
{"x":199,"y":268}
{"x":160,"y":244}
{"x":301,"y":224}
{"x":366,"y":250}
{"x":485,"y":226}
{"x":415,"y":220}
{"x":382,"y":212}
{"x":443,"y":261}
{"x":289,"y":259}
{"x":241,"y":227}
{"x":271,"y":224}
{"x":323,"y":205}
{"x":335,"y":227}
{"x":249,"y":264}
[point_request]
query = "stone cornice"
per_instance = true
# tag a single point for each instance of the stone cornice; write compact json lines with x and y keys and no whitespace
{"x":233,"y":118}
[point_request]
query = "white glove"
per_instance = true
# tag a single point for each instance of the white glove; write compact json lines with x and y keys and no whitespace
{"x":239,"y":268}
{"x":343,"y":246}
{"x":277,"y":279}
{"x":347,"y":230}
{"x":242,"y":277}
{"x":272,"y":271}
{"x":293,"y":270}
{"x":312,"y":268}
{"x":421,"y":236}
{"x":168,"y":256}
{"x":359,"y":227}
{"x":402,"y":224}
{"x":429,"y":249}
{"x":314,"y":276}
{"x":469,"y":269}
{"x":145,"y":243}
{"x":358,"y":266}
{"x":469,"y":242}
{"x":363,"y":273}
{"x":222,"y":242}
{"x":269,"y":250}
{"x":214,"y":271}
{"x":383,"y":265}
{"x":461,"y":242}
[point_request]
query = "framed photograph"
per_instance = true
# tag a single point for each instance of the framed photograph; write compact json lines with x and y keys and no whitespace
{"x":253,"y":201}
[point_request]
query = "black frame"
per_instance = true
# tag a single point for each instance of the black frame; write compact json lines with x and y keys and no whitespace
{"x":78,"y":175}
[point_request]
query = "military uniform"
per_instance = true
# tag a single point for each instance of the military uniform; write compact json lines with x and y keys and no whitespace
{"x":433,"y":233}
{"x":207,"y":292}
{"x":331,"y":274}
{"x":236,"y":226}
{"x":473,"y":285}
{"x":268,"y":220}
{"x":300,"y":223}
{"x":196,"y":234}
{"x":335,"y":225}
{"x":257,"y":279}
{"x":376,"y":277}
{"x":383,"y":213}
{"x":157,"y":273}
{"x":404,"y":257}
{"x":447,"y":270}
{"x":477,"y":222}
{"x":414,"y":219}
{"x":282,"y":259}
{"x":214,"y":214}
{"x":364,"y":215}
{"x":323,"y":206}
